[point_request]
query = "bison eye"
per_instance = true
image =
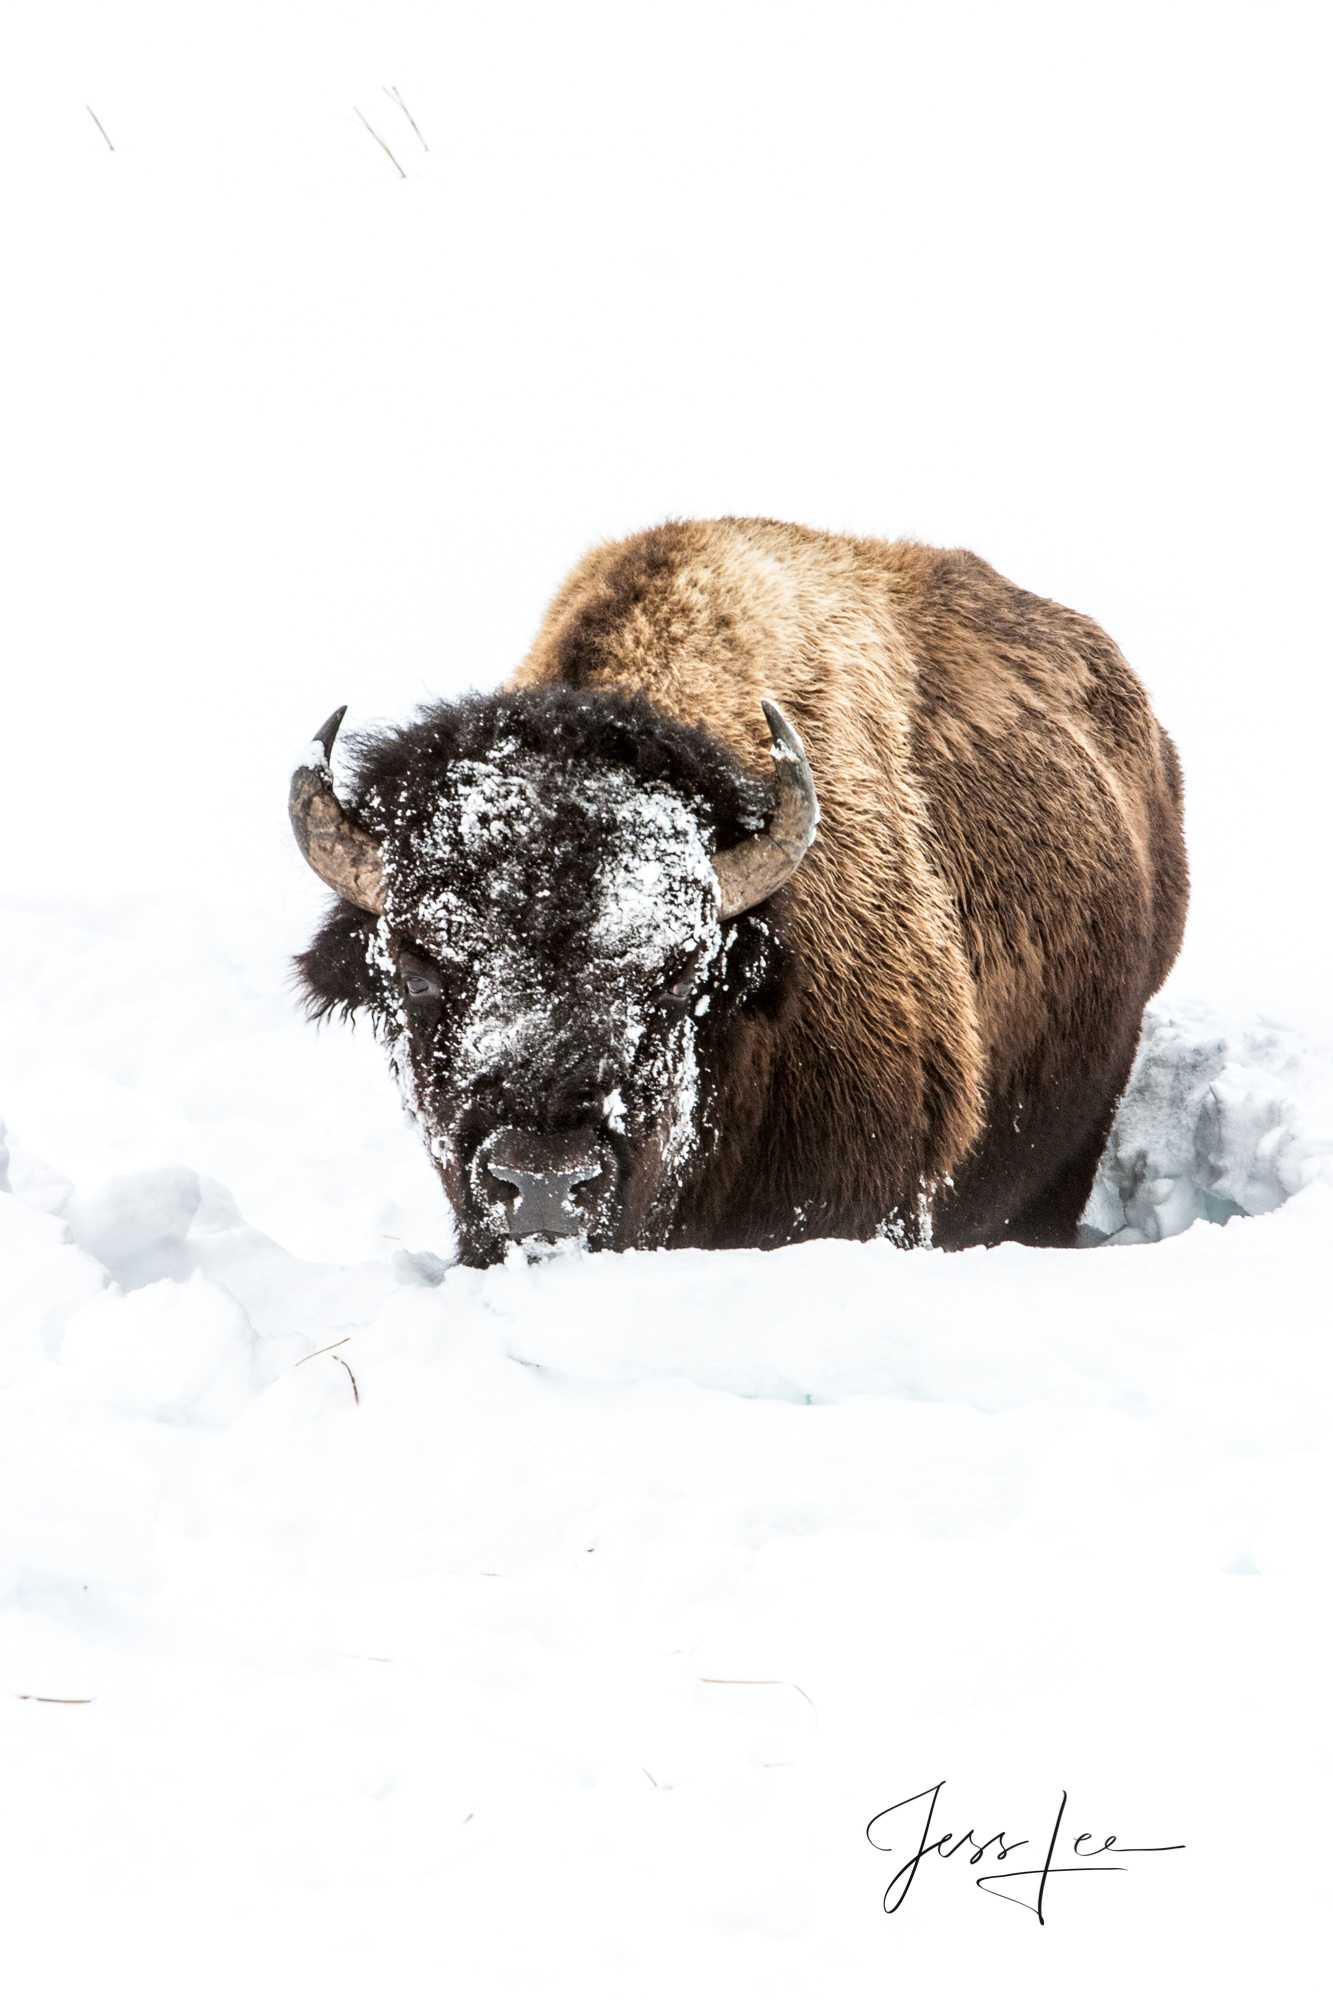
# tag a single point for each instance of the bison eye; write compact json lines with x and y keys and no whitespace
{"x":681,"y":984}
{"x":421,"y":980}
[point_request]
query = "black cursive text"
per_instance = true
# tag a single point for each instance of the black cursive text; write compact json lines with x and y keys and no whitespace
{"x":948,"y":1846}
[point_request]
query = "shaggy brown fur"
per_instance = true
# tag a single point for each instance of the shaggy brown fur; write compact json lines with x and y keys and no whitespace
{"x":998,"y":886}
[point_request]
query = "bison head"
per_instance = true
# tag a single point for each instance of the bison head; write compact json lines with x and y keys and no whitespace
{"x":548,"y":906}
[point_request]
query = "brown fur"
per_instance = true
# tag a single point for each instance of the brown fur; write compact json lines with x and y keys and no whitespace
{"x":998,"y":886}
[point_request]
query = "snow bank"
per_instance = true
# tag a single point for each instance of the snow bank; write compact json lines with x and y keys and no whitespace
{"x":561,"y":1627}
{"x":1217,"y":1121}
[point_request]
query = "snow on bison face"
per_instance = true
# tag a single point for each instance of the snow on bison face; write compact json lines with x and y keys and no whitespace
{"x":552,"y":947}
{"x":552,"y":954}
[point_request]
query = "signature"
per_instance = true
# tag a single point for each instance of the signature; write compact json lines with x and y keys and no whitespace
{"x":948,"y":1847}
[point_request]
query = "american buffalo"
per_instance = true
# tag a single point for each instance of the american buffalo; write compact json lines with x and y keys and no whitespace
{"x":648,"y":977}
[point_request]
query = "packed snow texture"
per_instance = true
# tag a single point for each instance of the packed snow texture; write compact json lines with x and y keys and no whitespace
{"x":1215,"y":1123}
{"x":560,"y":1628}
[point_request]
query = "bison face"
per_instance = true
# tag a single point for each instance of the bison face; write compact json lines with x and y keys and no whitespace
{"x":552,"y":962}
{"x":552,"y":943}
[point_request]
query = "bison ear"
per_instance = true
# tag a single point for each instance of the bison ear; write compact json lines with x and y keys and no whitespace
{"x":755,"y":868}
{"x":341,"y":853}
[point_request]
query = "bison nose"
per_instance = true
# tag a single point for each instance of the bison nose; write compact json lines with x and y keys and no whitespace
{"x":543,"y":1169}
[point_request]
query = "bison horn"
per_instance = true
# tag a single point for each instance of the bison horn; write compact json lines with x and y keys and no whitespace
{"x":340,"y":852}
{"x":754,"y":868}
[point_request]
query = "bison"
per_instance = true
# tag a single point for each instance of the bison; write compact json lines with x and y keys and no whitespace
{"x":794,"y":886}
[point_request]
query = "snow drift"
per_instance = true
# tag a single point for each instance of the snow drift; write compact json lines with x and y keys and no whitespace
{"x":1215,"y":1123}
{"x":380,"y":1599}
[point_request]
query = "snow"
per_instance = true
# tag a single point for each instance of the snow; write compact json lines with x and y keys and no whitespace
{"x":367,"y":1624}
{"x":1213,"y":1124}
{"x":659,"y":892}
{"x":369,"y":1596}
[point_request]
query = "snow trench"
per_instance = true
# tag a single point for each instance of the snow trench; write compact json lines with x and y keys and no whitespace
{"x":1215,"y":1123}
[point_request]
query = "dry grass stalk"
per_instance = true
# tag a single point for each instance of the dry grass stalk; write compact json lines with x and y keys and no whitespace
{"x":60,"y":1700}
{"x":395,"y":97}
{"x":323,"y":1350}
{"x":102,"y":129}
{"x":333,"y":1349}
{"x":378,"y":141}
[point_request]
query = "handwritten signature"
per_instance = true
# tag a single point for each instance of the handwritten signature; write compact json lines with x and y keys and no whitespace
{"x":947,"y":1847}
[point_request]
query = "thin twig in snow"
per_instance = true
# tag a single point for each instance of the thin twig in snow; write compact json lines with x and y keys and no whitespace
{"x":375,"y":136}
{"x":355,"y":1391}
{"x":395,"y":97}
{"x":60,"y":1700}
{"x":323,"y":1350}
{"x":98,"y":123}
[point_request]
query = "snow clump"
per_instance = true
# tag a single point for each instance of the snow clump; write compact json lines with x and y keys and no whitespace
{"x":1216,"y":1122}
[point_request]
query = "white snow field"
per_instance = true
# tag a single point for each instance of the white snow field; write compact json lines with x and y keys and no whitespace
{"x":372,"y":1626}
{"x":561,"y":1628}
